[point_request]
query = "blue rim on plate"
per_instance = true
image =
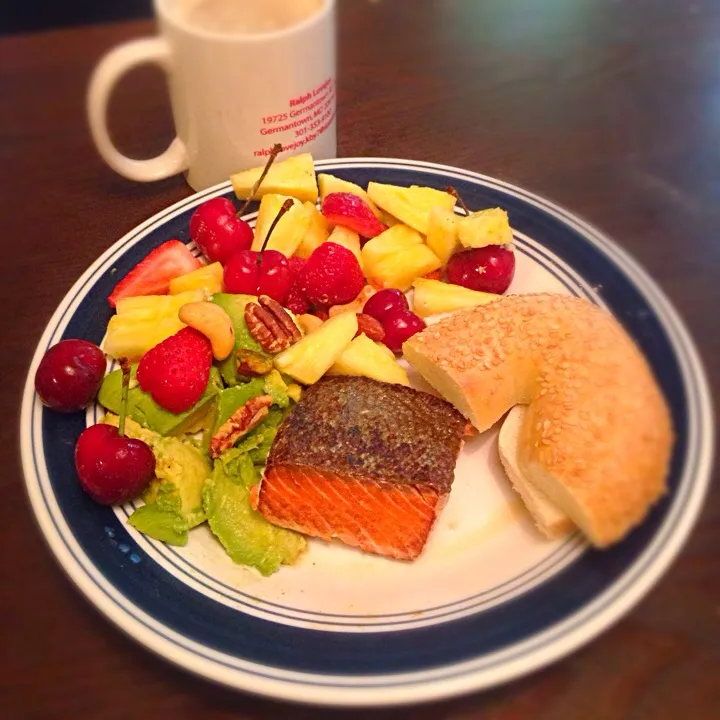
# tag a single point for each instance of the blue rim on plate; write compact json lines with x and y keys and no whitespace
{"x":450,"y":654}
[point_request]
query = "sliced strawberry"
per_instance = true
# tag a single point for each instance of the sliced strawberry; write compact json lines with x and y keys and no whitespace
{"x":152,"y":275}
{"x":351,"y":211}
{"x":176,"y":371}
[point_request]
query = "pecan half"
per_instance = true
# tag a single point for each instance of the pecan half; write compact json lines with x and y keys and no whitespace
{"x":252,"y":364}
{"x":239,"y":423}
{"x":371,"y":327}
{"x":271,"y":325}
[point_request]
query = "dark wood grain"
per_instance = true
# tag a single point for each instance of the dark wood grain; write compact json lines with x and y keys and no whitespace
{"x":610,"y":108}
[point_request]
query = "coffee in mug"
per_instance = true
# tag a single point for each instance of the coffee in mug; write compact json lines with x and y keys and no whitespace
{"x":248,"y":16}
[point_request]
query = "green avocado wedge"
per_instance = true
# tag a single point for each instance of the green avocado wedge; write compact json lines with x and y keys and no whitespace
{"x":173,"y":501}
{"x":234,"y":306}
{"x":248,"y":538}
{"x":144,"y":410}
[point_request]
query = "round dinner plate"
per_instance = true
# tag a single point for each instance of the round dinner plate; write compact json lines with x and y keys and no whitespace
{"x":488,"y":600}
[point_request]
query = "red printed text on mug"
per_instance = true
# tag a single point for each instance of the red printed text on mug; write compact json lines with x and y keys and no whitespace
{"x":307,"y":116}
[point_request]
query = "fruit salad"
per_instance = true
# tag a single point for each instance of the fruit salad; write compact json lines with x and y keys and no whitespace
{"x":209,"y":353}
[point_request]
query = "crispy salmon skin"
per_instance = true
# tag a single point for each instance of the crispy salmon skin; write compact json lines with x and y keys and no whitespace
{"x":364,"y":462}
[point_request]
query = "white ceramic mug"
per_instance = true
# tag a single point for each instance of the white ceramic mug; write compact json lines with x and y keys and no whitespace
{"x":233,"y":95}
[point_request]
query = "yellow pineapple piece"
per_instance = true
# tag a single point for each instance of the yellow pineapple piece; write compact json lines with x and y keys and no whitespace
{"x":208,"y":278}
{"x":348,"y":239}
{"x":331,"y":184}
{"x":316,"y":234}
{"x":269,"y":207}
{"x":400,"y":269}
{"x":486,"y":227}
{"x":394,"y":240}
{"x":143,"y":321}
{"x":369,"y":359}
{"x":442,"y":236}
{"x":293,"y":176}
{"x":410,"y":205}
{"x":387,"y":218}
{"x":310,"y":358}
{"x":155,"y":307}
{"x":289,"y":231}
{"x":432,"y":297}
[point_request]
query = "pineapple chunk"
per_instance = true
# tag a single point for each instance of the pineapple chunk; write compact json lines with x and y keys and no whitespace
{"x":269,"y":207}
{"x":387,"y":218}
{"x":208,"y":278}
{"x":442,"y":233}
{"x":486,"y":227}
{"x":331,"y":184}
{"x":289,"y":231}
{"x":394,"y":240}
{"x":369,"y":359}
{"x":316,"y":234}
{"x":293,"y":176}
{"x":410,"y":205}
{"x":348,"y":239}
{"x":310,"y":358}
{"x":155,"y":307}
{"x":144,"y":321}
{"x":432,"y":297}
{"x":400,"y":269}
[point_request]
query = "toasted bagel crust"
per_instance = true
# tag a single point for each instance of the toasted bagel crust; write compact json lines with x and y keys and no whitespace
{"x":597,"y":435}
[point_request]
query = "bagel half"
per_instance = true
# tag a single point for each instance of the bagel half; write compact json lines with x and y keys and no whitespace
{"x":597,"y":435}
{"x":549,"y":519}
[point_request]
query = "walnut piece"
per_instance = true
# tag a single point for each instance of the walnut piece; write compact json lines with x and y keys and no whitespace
{"x":271,"y":325}
{"x":239,"y":423}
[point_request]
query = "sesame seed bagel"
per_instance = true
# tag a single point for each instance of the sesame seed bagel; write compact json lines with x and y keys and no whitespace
{"x":597,"y":434}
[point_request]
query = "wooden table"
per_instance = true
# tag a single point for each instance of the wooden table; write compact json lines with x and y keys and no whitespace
{"x":610,"y":108}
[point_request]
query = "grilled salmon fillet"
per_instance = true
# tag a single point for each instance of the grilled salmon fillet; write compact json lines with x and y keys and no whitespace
{"x":364,"y":462}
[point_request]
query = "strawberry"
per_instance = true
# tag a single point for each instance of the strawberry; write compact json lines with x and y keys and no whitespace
{"x":296,"y":301}
{"x":296,"y":266}
{"x":331,"y":276}
{"x":176,"y":371}
{"x":152,"y":275}
{"x":352,"y":212}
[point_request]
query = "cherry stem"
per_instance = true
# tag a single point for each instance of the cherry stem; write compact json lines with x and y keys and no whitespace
{"x":125,"y":367}
{"x":285,"y":207}
{"x":276,"y":150}
{"x":450,"y":189}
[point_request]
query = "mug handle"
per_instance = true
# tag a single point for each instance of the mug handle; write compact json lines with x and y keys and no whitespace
{"x":106,"y":75}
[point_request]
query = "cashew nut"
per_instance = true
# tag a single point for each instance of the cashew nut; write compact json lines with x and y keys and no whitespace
{"x":214,"y":323}
{"x":308,"y":323}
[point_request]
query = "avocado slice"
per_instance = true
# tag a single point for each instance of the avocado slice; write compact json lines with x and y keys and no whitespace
{"x":173,"y":501}
{"x":248,"y":538}
{"x":161,"y":520}
{"x":143,"y":409}
{"x":234,"y":306}
{"x":276,"y":387}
